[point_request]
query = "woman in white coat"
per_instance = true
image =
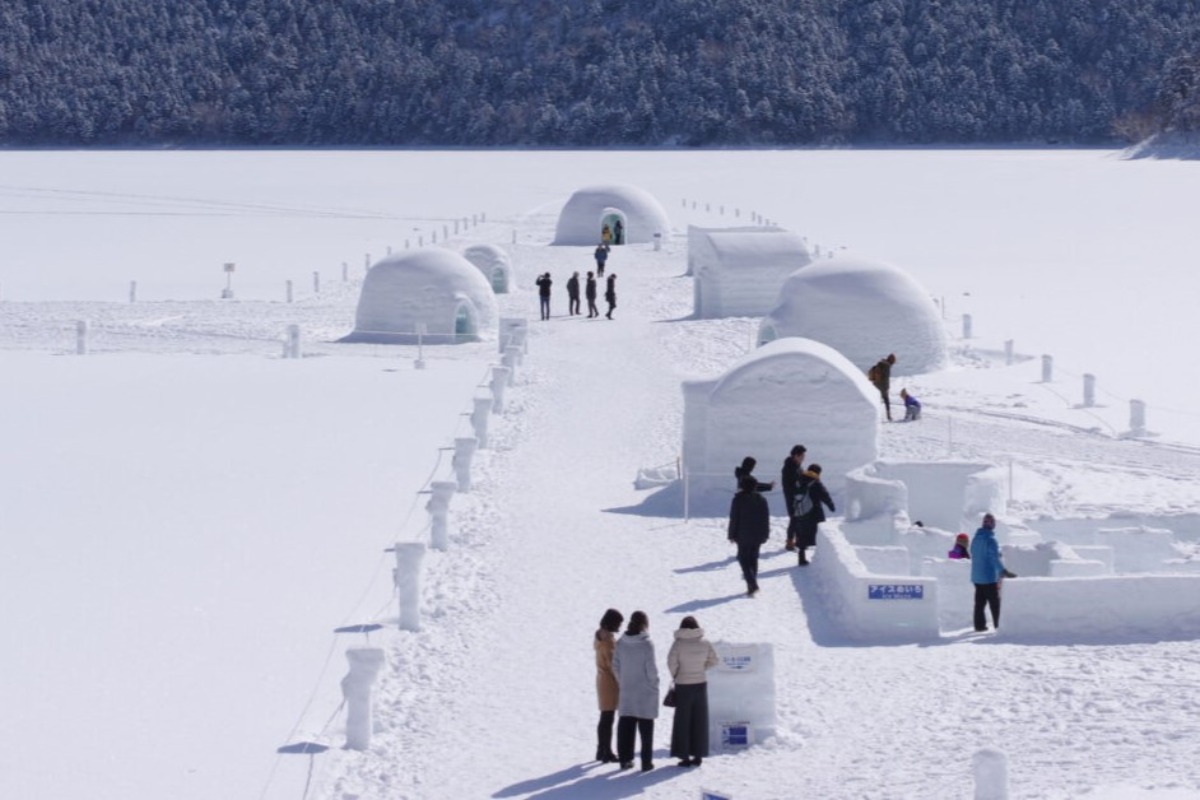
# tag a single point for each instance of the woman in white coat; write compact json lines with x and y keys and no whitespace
{"x":690,"y":658}
{"x":637,"y":675}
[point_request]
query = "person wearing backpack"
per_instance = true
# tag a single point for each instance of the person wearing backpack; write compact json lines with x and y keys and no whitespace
{"x":880,"y":376}
{"x":811,"y":495}
{"x":789,"y":479}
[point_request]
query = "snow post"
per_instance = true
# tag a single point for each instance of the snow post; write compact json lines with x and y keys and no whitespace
{"x":316,"y":283}
{"x":408,"y":583}
{"x":445,"y":232}
{"x":1137,"y":417}
{"x":991,"y":774}
{"x":464,"y":449}
{"x":966,"y":326}
{"x":514,"y":241}
{"x":289,"y":291}
{"x":81,"y":335}
{"x":499,"y":381}
{"x":512,"y":357}
{"x":133,"y":291}
{"x":1047,"y":369}
{"x":479,"y":420}
{"x":657,"y":241}
{"x":519,"y":336}
{"x":292,"y":350}
{"x":438,"y":505}
{"x":433,"y":237}
{"x":1089,"y":390}
{"x":345,"y":272}
{"x":365,"y":663}
{"x":1008,"y":352}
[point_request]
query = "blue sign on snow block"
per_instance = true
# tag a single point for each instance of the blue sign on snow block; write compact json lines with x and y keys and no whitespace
{"x":896,"y":591}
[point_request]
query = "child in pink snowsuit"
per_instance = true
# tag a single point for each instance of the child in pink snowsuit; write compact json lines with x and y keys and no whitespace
{"x":962,"y":547}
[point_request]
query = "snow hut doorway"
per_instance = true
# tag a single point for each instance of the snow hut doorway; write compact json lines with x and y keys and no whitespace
{"x":466,"y":327}
{"x":499,"y":280}
{"x":613,"y":223}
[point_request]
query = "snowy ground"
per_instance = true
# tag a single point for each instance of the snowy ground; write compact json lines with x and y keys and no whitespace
{"x":186,"y":516}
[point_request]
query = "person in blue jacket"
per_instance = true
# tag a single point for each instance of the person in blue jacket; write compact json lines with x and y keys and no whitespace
{"x":987,"y":571}
{"x":912,"y":406}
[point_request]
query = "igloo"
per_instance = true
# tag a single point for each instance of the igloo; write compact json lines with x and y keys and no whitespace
{"x":589,"y":210}
{"x":737,"y":273}
{"x":793,"y":391}
{"x":862,"y":309}
{"x":432,"y":287}
{"x":494,"y":263}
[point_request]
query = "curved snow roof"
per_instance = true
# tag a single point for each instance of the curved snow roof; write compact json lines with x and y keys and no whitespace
{"x":490,"y":259}
{"x":432,"y":286}
{"x":581,"y":218}
{"x":864,"y":310}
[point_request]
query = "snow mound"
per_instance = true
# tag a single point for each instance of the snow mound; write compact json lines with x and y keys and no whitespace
{"x":493,"y":263}
{"x":864,"y":310}
{"x":585,"y":214}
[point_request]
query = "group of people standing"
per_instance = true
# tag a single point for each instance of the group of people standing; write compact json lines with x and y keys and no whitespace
{"x":545,"y":282}
{"x":627,"y":683}
{"x":750,"y":518}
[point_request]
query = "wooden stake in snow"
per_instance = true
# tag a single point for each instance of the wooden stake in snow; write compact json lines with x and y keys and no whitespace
{"x":1047,"y":369}
{"x":512,"y":355}
{"x":1008,"y":352}
{"x":499,"y":381}
{"x":316,"y":283}
{"x":1137,"y":417}
{"x":292,"y":350}
{"x":345,"y":272}
{"x":81,"y":336}
{"x":991,"y":774}
{"x":438,"y":505}
{"x":133,"y":291}
{"x":1089,"y":390}
{"x":365,"y":663}
{"x":408,"y":583}
{"x":966,"y":326}
{"x":479,"y":420}
{"x":464,"y":450}
{"x":289,"y":291}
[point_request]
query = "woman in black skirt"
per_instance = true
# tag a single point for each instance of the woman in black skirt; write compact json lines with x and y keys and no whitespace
{"x":690,"y":657}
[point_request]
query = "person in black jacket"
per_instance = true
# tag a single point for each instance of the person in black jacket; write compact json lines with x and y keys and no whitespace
{"x":543,"y":283}
{"x":590,"y":293}
{"x":610,"y":294}
{"x":573,"y":294}
{"x":807,"y":522}
{"x":749,"y":527}
{"x":747,"y":467}
{"x":789,"y":480}
{"x":881,"y":376}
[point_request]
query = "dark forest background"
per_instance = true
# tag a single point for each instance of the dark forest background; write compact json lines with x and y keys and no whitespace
{"x":590,"y":73}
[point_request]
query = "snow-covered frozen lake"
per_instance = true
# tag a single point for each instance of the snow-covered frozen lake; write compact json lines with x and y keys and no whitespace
{"x":185,"y":517}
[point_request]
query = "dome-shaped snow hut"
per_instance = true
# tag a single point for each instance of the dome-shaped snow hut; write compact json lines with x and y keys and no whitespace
{"x":792,"y":391}
{"x":864,"y":310}
{"x":738,"y":272}
{"x":494,"y":263}
{"x":590,"y":210}
{"x":432,"y":287}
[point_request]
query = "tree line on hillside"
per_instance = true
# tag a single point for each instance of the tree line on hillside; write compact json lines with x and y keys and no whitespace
{"x":594,"y":73}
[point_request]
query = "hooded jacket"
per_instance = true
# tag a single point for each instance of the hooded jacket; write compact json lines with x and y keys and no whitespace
{"x":637,"y":675}
{"x":986,"y":566}
{"x":691,"y":656}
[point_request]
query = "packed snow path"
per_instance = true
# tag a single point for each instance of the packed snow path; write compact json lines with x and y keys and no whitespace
{"x":554,"y":533}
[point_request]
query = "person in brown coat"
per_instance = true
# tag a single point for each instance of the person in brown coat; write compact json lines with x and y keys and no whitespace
{"x":607,"y":690}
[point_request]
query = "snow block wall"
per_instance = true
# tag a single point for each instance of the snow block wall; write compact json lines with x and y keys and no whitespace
{"x":432,"y":287}
{"x":948,"y":495}
{"x":494,"y":264}
{"x":867,"y":607}
{"x":741,"y":696}
{"x":864,"y":310}
{"x":696,"y":234}
{"x":582,"y":218}
{"x":794,"y":391}
{"x":738,"y":273}
{"x":1110,"y":608}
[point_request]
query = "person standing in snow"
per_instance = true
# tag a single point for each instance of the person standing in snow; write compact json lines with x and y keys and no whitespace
{"x":619,"y":232}
{"x":590,"y":292}
{"x":881,"y":376}
{"x":543,"y":284}
{"x":912,"y":406}
{"x":607,"y":689}
{"x":610,"y":294}
{"x":573,"y":294}
{"x":808,"y":521}
{"x":747,"y":467}
{"x":987,"y":571}
{"x":690,"y":657}
{"x":601,"y":255}
{"x":789,"y":479}
{"x":637,"y":676}
{"x":749,"y":528}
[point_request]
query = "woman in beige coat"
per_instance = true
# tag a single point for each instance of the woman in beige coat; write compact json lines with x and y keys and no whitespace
{"x":607,"y":691}
{"x":690,"y":657}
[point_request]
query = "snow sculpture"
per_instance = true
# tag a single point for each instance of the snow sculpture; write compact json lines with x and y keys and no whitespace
{"x":434,"y":287}
{"x":864,"y":310}
{"x":365,"y":663}
{"x":738,"y":272}
{"x":588,"y":210}
{"x":438,"y":505}
{"x":493,"y":263}
{"x":793,"y":391}
{"x":408,"y":583}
